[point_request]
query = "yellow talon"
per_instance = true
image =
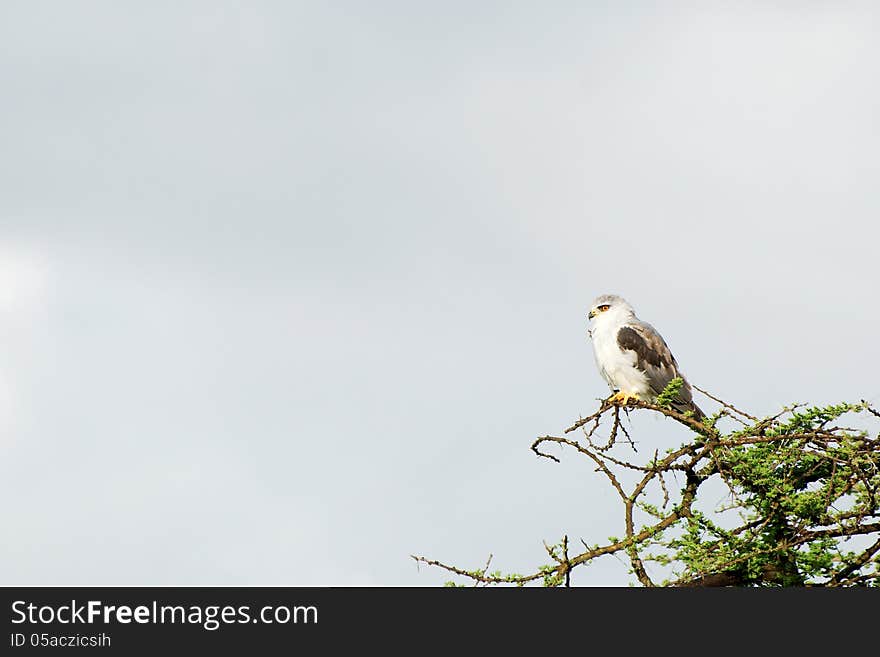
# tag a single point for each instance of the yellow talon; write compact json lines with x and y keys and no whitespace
{"x":622,"y":398}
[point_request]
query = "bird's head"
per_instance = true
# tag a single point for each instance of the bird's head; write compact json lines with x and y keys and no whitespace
{"x":610,"y":305}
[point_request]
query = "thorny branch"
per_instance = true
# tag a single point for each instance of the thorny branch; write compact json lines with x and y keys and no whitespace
{"x":800,"y":487}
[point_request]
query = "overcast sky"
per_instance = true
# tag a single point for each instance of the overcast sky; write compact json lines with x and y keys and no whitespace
{"x":288,"y":289}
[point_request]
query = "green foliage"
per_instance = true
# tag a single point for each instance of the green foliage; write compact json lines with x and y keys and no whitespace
{"x":802,"y":505}
{"x":790,"y":480}
{"x":670,"y":393}
{"x":551,"y":577}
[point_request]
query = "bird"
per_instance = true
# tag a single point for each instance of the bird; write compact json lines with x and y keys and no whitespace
{"x":633,"y":357}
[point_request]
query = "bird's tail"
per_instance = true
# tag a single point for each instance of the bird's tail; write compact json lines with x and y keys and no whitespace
{"x":685,"y":405}
{"x":698,"y":414}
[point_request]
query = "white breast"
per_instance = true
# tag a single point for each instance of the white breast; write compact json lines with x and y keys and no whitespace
{"x":616,"y":366}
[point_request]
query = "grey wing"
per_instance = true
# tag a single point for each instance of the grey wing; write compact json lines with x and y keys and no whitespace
{"x":655,"y":359}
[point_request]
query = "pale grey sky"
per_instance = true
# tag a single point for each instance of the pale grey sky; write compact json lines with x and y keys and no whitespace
{"x":287,"y":290}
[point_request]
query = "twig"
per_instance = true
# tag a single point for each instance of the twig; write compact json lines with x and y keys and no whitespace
{"x":725,"y":404}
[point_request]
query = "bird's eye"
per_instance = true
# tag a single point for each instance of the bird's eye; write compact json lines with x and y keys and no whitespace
{"x":603,"y":308}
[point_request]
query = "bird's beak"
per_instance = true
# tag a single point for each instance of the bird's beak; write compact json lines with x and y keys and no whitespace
{"x":591,"y":314}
